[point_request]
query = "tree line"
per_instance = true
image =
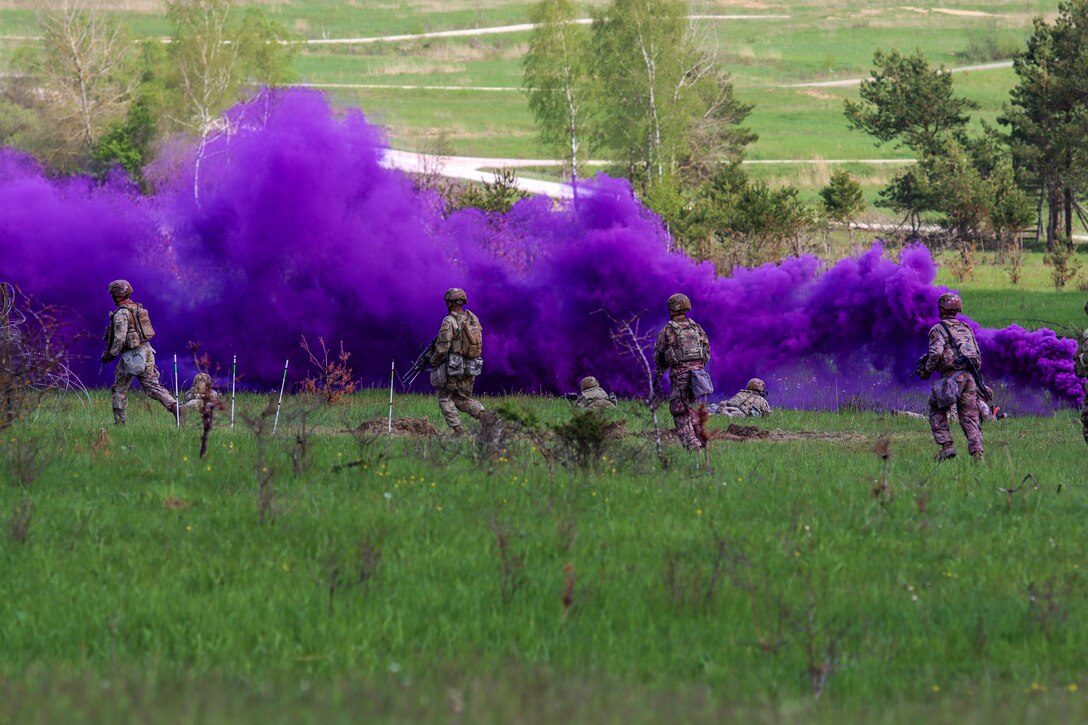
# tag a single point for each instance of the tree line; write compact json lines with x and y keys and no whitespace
{"x":88,"y":95}
{"x":644,"y":87}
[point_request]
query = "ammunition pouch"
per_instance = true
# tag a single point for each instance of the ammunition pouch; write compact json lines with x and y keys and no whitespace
{"x":701,"y":384}
{"x":439,"y":377}
{"x":946,"y":392}
{"x":133,"y":362}
{"x":458,"y":365}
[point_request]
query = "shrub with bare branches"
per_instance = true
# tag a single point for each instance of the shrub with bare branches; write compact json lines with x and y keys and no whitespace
{"x":333,"y":379}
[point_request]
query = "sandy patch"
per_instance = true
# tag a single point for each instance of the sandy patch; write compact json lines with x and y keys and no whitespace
{"x":822,"y":95}
{"x":951,"y":11}
{"x":131,"y":6}
{"x":401,"y":427}
{"x":743,"y":433}
{"x":412,"y":68}
{"x":749,"y":4}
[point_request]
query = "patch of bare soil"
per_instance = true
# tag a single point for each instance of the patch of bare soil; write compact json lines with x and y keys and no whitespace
{"x":401,"y":426}
{"x":742,"y":433}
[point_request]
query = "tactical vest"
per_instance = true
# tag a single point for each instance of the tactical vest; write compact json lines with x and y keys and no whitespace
{"x":139,"y":326}
{"x":468,"y":336}
{"x":688,"y":346}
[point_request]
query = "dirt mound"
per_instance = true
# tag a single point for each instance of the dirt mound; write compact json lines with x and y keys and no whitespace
{"x":401,"y":426}
{"x":741,"y":433}
{"x":817,"y":435}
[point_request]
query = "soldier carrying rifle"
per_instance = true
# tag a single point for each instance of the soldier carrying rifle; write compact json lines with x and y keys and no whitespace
{"x":954,"y":353}
{"x":457,"y":360}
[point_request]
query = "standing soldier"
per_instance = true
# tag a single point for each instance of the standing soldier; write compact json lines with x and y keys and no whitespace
{"x":748,"y":403}
{"x":129,"y":336}
{"x":951,"y":345}
{"x":682,"y":347}
{"x":457,"y":360}
{"x":1081,"y":365}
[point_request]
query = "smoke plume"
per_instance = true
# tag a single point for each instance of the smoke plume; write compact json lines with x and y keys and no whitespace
{"x":297,"y":229}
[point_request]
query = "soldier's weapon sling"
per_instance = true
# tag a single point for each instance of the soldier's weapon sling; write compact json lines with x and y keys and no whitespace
{"x":971,"y":367}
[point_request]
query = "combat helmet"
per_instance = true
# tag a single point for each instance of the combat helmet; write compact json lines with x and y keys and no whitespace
{"x":949,"y":304}
{"x":679,"y":303}
{"x":757,"y":386}
{"x":120,"y":289}
{"x":588,"y":382}
{"x":454,"y":295}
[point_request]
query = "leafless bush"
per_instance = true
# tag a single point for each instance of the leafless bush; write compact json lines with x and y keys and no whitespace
{"x":268,"y":508}
{"x":634,"y":343}
{"x":19,"y":521}
{"x":691,"y":577}
{"x":24,"y":460}
{"x":334,"y":574}
{"x":33,"y":356}
{"x":333,"y":379}
{"x":511,"y":562}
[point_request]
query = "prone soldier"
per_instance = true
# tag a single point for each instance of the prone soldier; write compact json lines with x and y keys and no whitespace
{"x":953,"y":352}
{"x":457,"y":360}
{"x":201,"y":393}
{"x":682,"y":347}
{"x":593,"y":396}
{"x":129,"y":336}
{"x":748,"y":403}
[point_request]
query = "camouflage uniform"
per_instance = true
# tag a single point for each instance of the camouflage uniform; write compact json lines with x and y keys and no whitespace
{"x":593,"y":396}
{"x":125,"y":335}
{"x":456,"y":393}
{"x":745,"y":404}
{"x":201,"y":392}
{"x":681,"y":398}
{"x":1081,"y":365}
{"x":942,"y":358}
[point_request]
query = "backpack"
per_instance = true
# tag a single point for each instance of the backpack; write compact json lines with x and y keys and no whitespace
{"x":139,"y":329}
{"x":472,"y":336}
{"x":689,"y":346}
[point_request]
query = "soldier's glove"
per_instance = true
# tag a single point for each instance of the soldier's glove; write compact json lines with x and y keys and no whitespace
{"x":925,"y":375}
{"x":106,"y":358}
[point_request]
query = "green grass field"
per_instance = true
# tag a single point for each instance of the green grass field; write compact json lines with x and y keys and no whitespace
{"x":696,"y":594}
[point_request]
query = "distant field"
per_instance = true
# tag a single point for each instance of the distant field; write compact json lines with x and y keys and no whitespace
{"x":819,"y":41}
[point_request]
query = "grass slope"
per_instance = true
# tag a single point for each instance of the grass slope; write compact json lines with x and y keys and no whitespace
{"x":695,"y":594}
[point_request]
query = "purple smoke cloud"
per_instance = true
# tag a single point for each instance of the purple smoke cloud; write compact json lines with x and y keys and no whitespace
{"x":299,"y":230}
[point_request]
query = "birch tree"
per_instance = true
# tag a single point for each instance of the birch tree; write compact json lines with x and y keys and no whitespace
{"x":556,"y":79}
{"x":83,"y":72}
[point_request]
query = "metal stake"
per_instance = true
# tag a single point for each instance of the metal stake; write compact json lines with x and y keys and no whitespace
{"x":276,"y":423}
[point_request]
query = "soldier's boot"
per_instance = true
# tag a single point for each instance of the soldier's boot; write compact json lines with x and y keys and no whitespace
{"x":119,"y":416}
{"x":456,"y":431}
{"x":947,"y":451}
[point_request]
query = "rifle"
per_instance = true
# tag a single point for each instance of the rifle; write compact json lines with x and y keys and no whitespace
{"x":570,"y":397}
{"x":968,"y":363}
{"x":422,"y":361}
{"x":920,"y":366}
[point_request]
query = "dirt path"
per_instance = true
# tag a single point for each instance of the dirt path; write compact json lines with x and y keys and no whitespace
{"x":498,"y":30}
{"x":477,"y":168}
{"x":847,"y":83}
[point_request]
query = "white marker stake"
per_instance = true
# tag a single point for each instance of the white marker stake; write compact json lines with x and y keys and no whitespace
{"x":280,"y":403}
{"x":177,"y":392}
{"x":233,"y":382}
{"x":392,"y":372}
